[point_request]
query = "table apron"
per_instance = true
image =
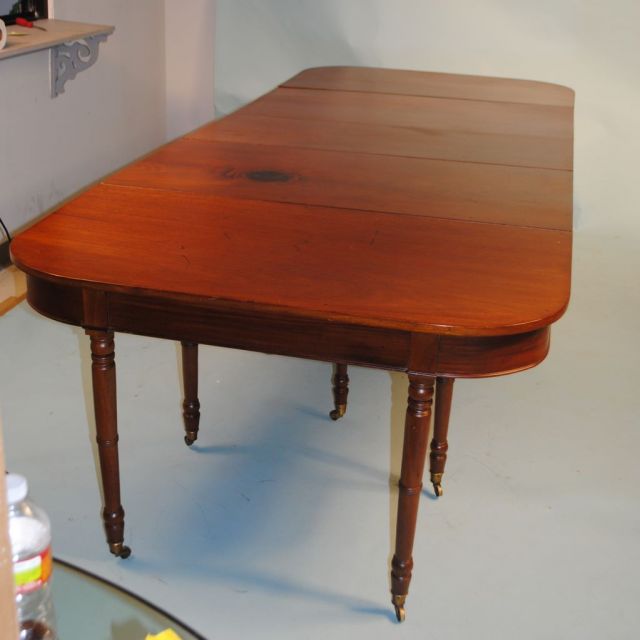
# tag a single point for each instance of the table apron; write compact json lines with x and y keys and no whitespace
{"x":263,"y":332}
{"x":277,"y":333}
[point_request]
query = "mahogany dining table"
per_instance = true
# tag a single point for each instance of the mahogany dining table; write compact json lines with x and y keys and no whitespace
{"x":402,"y":220}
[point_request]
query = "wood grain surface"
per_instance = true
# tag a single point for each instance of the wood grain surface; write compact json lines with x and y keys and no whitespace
{"x":346,"y":194}
{"x":409,"y":272}
{"x":418,"y":187}
{"x":464,"y":130}
{"x":442,"y":85}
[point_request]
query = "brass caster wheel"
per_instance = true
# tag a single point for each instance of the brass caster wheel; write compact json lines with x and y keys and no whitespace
{"x":120,"y":550}
{"x":436,"y":480}
{"x":398,"y":603}
{"x":190,"y":438}
{"x":338,"y":412}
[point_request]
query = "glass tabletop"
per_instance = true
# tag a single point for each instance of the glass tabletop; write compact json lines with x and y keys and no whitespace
{"x":90,"y":607}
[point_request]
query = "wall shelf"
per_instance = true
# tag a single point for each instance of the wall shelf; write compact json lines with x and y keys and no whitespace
{"x":74,"y":47}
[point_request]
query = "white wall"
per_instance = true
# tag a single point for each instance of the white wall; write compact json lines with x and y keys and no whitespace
{"x":117,"y":110}
{"x":188,"y":64}
{"x":588,"y":45}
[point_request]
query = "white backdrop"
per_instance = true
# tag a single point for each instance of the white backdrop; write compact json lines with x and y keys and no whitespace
{"x":589,"y":45}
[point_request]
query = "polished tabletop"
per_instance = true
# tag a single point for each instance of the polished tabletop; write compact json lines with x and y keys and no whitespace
{"x":425,"y":202}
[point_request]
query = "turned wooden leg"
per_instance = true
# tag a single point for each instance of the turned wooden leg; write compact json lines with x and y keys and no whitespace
{"x":191,"y":404}
{"x":103,"y":370}
{"x":340,"y":391}
{"x":439,"y":444}
{"x":414,"y":452}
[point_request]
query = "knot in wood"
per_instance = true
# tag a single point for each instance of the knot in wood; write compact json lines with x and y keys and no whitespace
{"x":269,"y":175}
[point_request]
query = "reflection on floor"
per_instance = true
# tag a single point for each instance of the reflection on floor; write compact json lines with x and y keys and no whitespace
{"x":278,"y":523}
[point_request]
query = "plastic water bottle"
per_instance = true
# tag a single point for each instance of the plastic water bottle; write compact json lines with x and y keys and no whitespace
{"x":30,"y":534}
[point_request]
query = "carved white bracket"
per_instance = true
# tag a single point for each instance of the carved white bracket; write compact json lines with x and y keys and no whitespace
{"x":68,"y":60}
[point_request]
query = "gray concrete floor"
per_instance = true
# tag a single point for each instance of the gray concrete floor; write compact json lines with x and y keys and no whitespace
{"x":279,"y":523}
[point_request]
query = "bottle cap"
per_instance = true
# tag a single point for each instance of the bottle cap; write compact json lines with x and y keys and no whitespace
{"x":17,"y":488}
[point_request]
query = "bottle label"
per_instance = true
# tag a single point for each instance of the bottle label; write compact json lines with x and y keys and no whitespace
{"x":30,"y":574}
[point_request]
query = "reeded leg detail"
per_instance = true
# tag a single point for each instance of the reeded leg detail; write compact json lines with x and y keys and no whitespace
{"x":191,"y":404}
{"x":414,"y":453}
{"x":340,"y":391}
{"x":439,"y":444}
{"x":103,"y":371}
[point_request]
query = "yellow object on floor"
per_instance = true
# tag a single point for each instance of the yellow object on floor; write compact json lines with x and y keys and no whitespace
{"x":167,"y":634}
{"x":13,"y":288}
